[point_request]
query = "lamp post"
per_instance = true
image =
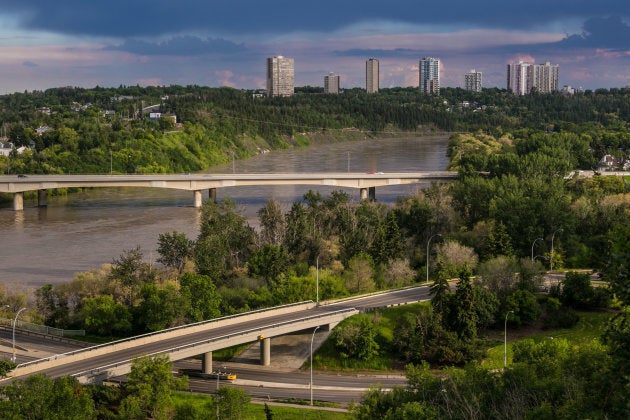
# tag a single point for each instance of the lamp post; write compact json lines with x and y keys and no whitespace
{"x":15,"y":322}
{"x":428,"y":243}
{"x":317,"y":281}
{"x":551,"y":255}
{"x":534,"y":243}
{"x":505,"y":340}
{"x":311,"y":384}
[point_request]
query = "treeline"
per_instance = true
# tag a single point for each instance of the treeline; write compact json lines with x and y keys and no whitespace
{"x":217,"y":123}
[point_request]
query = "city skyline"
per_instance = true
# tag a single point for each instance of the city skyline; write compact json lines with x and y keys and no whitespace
{"x":86,"y":44}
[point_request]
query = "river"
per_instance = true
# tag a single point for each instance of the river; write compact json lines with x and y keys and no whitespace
{"x":79,"y":232}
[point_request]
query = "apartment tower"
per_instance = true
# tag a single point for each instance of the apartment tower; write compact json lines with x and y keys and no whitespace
{"x":430,"y":75}
{"x":523,"y":77}
{"x":280,"y":76}
{"x":473,"y":81}
{"x":331,"y":83}
{"x":371,"y":75}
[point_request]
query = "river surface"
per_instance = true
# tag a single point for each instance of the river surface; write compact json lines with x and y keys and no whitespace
{"x":79,"y":232}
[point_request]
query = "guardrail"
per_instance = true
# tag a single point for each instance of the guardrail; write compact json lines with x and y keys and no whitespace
{"x":42,"y":329}
{"x":162,"y":332}
{"x":101,"y":369}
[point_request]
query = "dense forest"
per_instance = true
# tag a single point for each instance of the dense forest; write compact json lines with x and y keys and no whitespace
{"x":73,"y":130}
{"x":517,"y":210}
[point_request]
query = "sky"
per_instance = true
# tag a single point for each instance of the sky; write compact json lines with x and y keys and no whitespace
{"x":83,"y":43}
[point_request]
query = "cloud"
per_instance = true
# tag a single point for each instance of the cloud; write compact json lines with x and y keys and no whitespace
{"x":180,"y":46}
{"x":610,"y":32}
{"x":29,"y":64}
{"x":138,"y":18}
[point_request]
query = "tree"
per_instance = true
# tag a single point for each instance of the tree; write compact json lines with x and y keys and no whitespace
{"x":359,"y":274}
{"x":40,"y":397}
{"x":232,"y":402}
{"x":225,"y":239}
{"x":462,"y":316}
{"x":269,"y":262}
{"x":174,"y":249}
{"x":272,"y":223}
{"x":578,"y":292}
{"x":103,"y":316}
{"x":160,"y":307}
{"x":356,"y":340}
{"x":200,"y":292}
{"x":455,"y":257}
{"x":149,"y":388}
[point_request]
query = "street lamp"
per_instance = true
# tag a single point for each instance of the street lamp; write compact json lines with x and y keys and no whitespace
{"x":505,"y":340}
{"x":311,"y":384}
{"x":317,"y":281}
{"x":534,"y":243}
{"x":428,"y":242}
{"x":15,"y":322}
{"x":551,"y":255}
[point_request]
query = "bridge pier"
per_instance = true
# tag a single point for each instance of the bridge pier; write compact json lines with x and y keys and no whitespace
{"x":265,"y":351}
{"x":212,"y":195}
{"x":197,"y":199}
{"x":368,"y":194}
{"x":42,"y":198}
{"x":206,"y":362}
{"x":18,"y":201}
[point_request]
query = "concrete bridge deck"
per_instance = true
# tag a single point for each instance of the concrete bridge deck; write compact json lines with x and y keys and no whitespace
{"x":97,"y":363}
{"x":367,"y":182}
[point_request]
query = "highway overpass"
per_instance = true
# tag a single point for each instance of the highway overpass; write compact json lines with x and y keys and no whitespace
{"x":95,"y":364}
{"x":197,"y":183}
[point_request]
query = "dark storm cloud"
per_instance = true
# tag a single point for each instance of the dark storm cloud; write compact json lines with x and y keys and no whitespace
{"x":128,"y":18}
{"x":610,"y":32}
{"x":29,"y":64}
{"x":180,"y":46}
{"x":381,"y":53}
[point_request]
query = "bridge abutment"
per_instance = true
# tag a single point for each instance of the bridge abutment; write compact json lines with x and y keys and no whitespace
{"x":18,"y":201}
{"x":265,"y":351}
{"x":42,"y":198}
{"x":206,"y":362}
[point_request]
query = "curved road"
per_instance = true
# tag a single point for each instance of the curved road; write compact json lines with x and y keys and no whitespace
{"x":363,"y":303}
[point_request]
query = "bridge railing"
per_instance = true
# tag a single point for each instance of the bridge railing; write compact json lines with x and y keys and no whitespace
{"x":42,"y":329}
{"x":200,"y":323}
{"x":260,"y":329}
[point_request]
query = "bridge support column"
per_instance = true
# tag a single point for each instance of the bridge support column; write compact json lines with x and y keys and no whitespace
{"x":42,"y":198}
{"x":265,"y":351}
{"x":372,"y":193}
{"x":206,"y":362}
{"x":212,"y":195}
{"x":364,"y":194}
{"x":18,"y":201}
{"x":197,"y":199}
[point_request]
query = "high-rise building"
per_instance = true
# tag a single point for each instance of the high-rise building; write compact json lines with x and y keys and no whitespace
{"x":331,"y":83}
{"x":371,"y":75}
{"x":523,"y":77}
{"x":473,"y":81}
{"x":546,"y":77}
{"x":280,"y":76}
{"x":430,"y":75}
{"x":519,"y":80}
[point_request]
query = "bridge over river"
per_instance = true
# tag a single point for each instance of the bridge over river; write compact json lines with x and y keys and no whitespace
{"x":197,"y":183}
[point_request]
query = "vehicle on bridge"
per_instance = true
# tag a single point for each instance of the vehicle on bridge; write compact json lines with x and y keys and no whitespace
{"x":194,"y":373}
